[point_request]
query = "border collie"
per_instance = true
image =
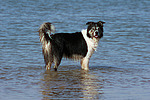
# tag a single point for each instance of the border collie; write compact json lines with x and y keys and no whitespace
{"x":77,"y":46}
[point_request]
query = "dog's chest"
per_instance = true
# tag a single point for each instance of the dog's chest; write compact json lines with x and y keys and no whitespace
{"x":91,"y":44}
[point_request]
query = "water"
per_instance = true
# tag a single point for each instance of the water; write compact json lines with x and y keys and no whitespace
{"x":119,"y":70}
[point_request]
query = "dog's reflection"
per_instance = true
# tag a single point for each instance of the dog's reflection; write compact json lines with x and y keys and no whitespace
{"x":74,"y":84}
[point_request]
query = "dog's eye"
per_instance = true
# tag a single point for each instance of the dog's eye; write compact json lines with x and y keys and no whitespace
{"x":91,"y":31}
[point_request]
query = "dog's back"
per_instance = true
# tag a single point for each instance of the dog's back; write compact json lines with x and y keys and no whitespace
{"x":72,"y":45}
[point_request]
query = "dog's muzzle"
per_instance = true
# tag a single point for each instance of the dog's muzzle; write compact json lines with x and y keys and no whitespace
{"x":96,"y":35}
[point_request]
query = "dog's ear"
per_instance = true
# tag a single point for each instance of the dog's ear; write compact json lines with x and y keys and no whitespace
{"x":101,"y":22}
{"x":88,"y":23}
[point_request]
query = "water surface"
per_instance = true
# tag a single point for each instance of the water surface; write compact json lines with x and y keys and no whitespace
{"x":119,"y":69}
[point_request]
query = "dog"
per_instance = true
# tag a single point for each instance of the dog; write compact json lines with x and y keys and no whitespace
{"x":77,"y":46}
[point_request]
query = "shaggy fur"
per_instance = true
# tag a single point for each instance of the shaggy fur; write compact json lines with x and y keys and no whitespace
{"x":78,"y":46}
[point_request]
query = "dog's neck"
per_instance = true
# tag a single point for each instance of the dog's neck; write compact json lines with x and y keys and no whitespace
{"x":93,"y":43}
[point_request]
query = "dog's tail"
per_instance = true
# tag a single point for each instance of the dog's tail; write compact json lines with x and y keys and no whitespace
{"x":45,"y":31}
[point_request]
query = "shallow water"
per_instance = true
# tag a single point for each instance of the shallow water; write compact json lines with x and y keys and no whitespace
{"x":119,"y":69}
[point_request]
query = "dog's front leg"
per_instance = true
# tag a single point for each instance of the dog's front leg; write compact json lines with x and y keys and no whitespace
{"x":85,"y":63}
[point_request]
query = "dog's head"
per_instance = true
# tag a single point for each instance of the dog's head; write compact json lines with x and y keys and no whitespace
{"x":95,"y":29}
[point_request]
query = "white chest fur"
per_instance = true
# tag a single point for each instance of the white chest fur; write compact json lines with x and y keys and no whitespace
{"x":91,"y":44}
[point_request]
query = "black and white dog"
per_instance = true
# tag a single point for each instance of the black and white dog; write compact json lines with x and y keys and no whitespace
{"x":78,"y":46}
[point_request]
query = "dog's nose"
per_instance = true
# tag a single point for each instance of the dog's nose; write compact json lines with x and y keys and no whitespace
{"x":96,"y":33}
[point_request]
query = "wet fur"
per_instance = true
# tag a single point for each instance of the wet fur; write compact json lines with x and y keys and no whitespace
{"x":78,"y":46}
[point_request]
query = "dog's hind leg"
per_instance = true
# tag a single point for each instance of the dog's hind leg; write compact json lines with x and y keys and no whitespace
{"x":48,"y":61}
{"x":48,"y":58}
{"x":48,"y":66}
{"x":57,"y":62}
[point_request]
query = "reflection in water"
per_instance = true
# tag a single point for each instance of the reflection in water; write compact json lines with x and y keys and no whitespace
{"x":71,"y":84}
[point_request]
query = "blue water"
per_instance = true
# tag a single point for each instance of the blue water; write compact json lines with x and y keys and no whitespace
{"x":119,"y":69}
